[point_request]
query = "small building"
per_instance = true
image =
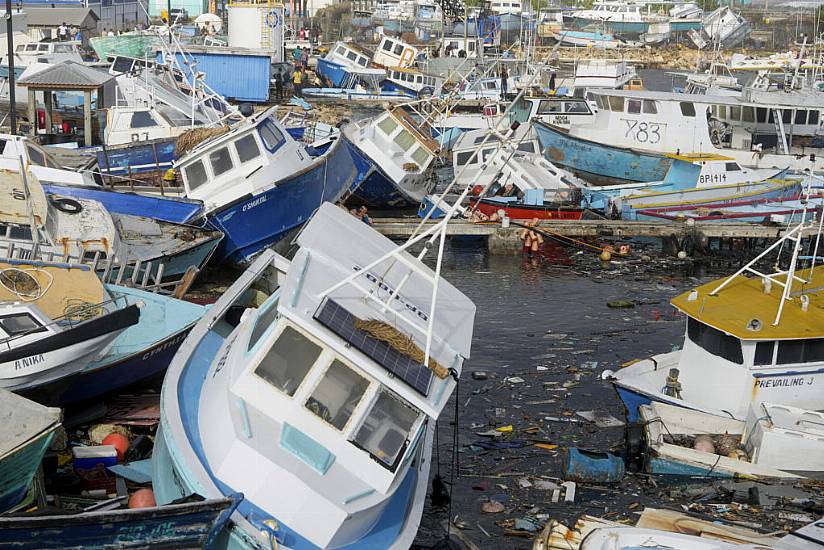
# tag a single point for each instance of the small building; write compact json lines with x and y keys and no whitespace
{"x":110,"y":14}
{"x":237,"y":74}
{"x":18,"y":21}
{"x":43,"y":23}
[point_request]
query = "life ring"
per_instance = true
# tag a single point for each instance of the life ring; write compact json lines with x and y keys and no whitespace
{"x":426,"y":91}
{"x":69,"y":206}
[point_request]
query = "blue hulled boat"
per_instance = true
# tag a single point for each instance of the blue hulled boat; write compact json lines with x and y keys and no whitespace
{"x":599,"y":163}
{"x":338,"y":65}
{"x":26,"y":429}
{"x":140,"y":352}
{"x":326,"y":428}
{"x":399,"y":153}
{"x":191,"y":524}
{"x":139,"y":157}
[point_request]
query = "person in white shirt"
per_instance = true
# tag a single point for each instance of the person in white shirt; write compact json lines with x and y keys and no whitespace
{"x":63,"y":32}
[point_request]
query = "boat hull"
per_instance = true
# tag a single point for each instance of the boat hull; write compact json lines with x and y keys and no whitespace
{"x":169,"y":209}
{"x":599,"y":163}
{"x":139,"y":353}
{"x":378,"y":190}
{"x":254,"y":222}
{"x":185,"y":525}
{"x":139,"y":157}
{"x":528,"y":212}
{"x":18,"y":468}
{"x":332,"y":72}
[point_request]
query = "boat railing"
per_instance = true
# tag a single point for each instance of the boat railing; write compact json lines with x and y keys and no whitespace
{"x":144,"y":275}
{"x":74,"y":314}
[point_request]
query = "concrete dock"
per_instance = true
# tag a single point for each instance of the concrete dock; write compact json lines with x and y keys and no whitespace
{"x":505,"y":239}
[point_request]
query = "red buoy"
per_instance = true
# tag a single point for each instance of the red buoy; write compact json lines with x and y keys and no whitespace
{"x":142,"y":498}
{"x":120,"y":443}
{"x":476,"y":191}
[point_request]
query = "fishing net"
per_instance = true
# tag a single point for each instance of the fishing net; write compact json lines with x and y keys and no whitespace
{"x":192,"y":138}
{"x":80,"y":310}
{"x":400,"y":342}
{"x":21,"y":283}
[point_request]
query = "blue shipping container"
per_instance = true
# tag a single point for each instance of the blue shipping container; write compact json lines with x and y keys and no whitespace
{"x":237,"y":76}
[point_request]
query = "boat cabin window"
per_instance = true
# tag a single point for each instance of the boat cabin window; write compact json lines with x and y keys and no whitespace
{"x":265,"y":319}
{"x":714,"y":341}
{"x":398,"y":49}
{"x":650,"y":108}
{"x":270,"y":134}
{"x":616,"y":103}
{"x":527,"y":147}
{"x":247,"y":148}
{"x":732,"y":167}
{"x":337,"y":395}
{"x":687,"y":108}
{"x":790,"y":352}
{"x":748,"y":114}
{"x":387,"y":125}
{"x":221,"y":161}
{"x":421,"y":155}
{"x":735,"y":113}
{"x":142,"y":119}
{"x":576,"y":107}
{"x":195,"y":175}
{"x":463,"y":157}
{"x":362,"y":61}
{"x":801,"y":116}
{"x":35,"y":156}
{"x":288,"y":361}
{"x":548,"y":107}
{"x":352,"y":56}
{"x":20,"y":323}
{"x":761,"y":114}
{"x":405,"y":140}
{"x":386,"y":430}
{"x":387,"y":45}
{"x":63,"y":48}
{"x":340,"y":50}
{"x":602,"y":102}
{"x":813,"y":118}
{"x":634,"y":106}
{"x":16,"y":232}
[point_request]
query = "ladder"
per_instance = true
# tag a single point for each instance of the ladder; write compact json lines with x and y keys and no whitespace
{"x":780,"y":134}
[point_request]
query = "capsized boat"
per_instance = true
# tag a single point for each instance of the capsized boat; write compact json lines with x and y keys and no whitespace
{"x":342,"y":60}
{"x":748,"y":340}
{"x":400,"y":154}
{"x":191,"y":524}
{"x":26,"y":429}
{"x":66,"y":229}
{"x":588,"y":39}
{"x":631,"y":538}
{"x":55,"y":321}
{"x":323,"y":391}
{"x":755,"y":210}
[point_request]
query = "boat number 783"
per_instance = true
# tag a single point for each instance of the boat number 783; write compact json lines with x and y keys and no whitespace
{"x":644,"y":132}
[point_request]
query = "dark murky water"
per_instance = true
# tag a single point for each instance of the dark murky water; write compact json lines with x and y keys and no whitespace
{"x":546,"y":320}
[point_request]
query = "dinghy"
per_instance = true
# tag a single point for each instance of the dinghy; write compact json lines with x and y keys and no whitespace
{"x":319,"y":404}
{"x":26,"y":429}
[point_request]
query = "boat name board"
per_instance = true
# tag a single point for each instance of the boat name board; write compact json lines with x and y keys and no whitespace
{"x":412,"y":308}
{"x":559,"y":120}
{"x":712,"y":178}
{"x":645,"y":132}
{"x":257,"y":202}
{"x":25,"y":362}
{"x":784,"y":382}
{"x":161,"y":348}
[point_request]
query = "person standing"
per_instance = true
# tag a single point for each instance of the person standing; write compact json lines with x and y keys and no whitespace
{"x":304,"y":58}
{"x":63,"y":32}
{"x":279,"y":86}
{"x":504,"y":81}
{"x":297,"y":81}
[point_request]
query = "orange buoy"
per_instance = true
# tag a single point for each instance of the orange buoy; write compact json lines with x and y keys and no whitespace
{"x":142,"y":498}
{"x":119,"y":441}
{"x":476,"y":191}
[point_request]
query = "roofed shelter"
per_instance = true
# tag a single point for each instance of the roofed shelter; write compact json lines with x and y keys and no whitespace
{"x":67,"y":76}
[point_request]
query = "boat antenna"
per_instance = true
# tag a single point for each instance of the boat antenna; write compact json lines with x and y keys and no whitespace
{"x":793,"y":237}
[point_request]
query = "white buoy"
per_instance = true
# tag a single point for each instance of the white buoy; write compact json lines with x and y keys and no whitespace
{"x":682,"y":255}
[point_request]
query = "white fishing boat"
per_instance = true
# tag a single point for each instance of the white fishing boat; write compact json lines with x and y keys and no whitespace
{"x":413,"y":82}
{"x":394,"y":52}
{"x":400,"y":155}
{"x":633,"y":130}
{"x":342,"y":59}
{"x":54,"y":320}
{"x":311,"y":393}
{"x":722,"y":28}
{"x":636,"y":17}
{"x":749,"y":340}
{"x":32,"y":53}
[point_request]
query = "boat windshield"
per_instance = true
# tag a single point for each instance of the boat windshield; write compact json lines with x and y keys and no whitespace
{"x":387,"y":429}
{"x":714,"y":341}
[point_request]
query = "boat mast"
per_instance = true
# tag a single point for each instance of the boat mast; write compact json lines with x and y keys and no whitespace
{"x":35,"y":234}
{"x":794,"y":236}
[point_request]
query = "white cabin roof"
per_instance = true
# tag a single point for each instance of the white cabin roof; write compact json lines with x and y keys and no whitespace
{"x":749,"y":97}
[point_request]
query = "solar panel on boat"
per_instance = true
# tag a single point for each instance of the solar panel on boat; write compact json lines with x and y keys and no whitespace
{"x":337,"y":319}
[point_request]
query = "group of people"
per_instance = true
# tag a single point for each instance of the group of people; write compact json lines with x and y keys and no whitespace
{"x":66,"y":33}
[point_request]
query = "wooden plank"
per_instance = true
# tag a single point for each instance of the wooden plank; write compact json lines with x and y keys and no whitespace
{"x":676,"y":522}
